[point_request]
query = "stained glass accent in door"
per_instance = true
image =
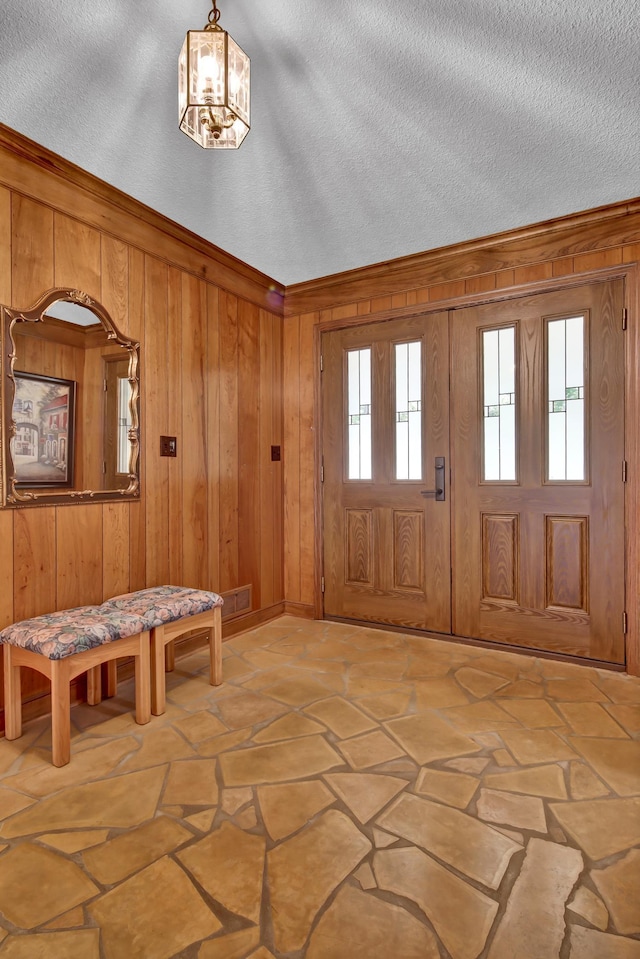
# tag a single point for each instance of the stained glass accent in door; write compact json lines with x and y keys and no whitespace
{"x":359,"y":414}
{"x":408,"y":412}
{"x":499,"y":404}
{"x":565,"y":399}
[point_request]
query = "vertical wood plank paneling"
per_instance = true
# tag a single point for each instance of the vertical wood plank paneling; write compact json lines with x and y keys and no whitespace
{"x":563,"y":266}
{"x":270,"y":408}
{"x":34,"y":539}
{"x":114,"y":281}
{"x":31,"y":251}
{"x":249,"y":473}
{"x":446,"y":291}
{"x":504,"y":278}
{"x":292,"y":503}
{"x":213,"y":515}
{"x":77,"y":256}
{"x":307,"y":458}
{"x":195,"y":539}
{"x":6,"y":569}
{"x":34,"y":561}
{"x":213,"y":437}
{"x":156,"y":403}
{"x":632,"y":442}
{"x":135,"y":329}
{"x":5,"y":247}
{"x":229,"y":525}
{"x":78,"y":559}
{"x":6,"y":517}
{"x":529,"y":274}
{"x":277,"y":421}
{"x":115,"y":549}
{"x":480,"y":284}
{"x":34,"y":577}
{"x":597,"y":260}
{"x":179,"y":334}
{"x":378,"y":304}
{"x":114,"y":295}
{"x":267,"y":472}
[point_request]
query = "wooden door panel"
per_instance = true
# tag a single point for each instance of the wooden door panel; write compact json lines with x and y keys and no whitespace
{"x":500,"y":551}
{"x":386,"y":546}
{"x":360,"y":547}
{"x":567,"y":562}
{"x":408,"y":549}
{"x":536,"y":562}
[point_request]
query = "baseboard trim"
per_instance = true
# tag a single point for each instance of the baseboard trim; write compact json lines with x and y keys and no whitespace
{"x":304,"y":610}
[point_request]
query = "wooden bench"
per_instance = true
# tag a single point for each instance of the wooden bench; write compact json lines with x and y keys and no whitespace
{"x":169,"y":612}
{"x":62,"y":646}
{"x":65,"y":644}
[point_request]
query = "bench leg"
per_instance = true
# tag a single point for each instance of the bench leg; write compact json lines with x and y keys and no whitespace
{"x":143,"y":677}
{"x":215,"y":649}
{"x":12,"y":697}
{"x":170,"y":657}
{"x":60,"y":712}
{"x":94,"y":685}
{"x":158,"y":682}
{"x":112,"y":679}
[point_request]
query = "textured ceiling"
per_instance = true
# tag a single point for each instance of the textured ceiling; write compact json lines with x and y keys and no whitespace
{"x":378,"y":130}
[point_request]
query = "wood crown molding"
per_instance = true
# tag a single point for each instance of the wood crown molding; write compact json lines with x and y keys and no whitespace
{"x":31,"y":169}
{"x":600,"y":228}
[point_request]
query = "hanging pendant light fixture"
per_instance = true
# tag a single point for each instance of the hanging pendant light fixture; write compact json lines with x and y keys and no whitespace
{"x":213,"y":93}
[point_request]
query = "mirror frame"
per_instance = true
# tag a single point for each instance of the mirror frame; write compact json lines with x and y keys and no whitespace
{"x":12,"y":493}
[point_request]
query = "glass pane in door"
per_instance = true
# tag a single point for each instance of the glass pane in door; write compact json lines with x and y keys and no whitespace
{"x":565,"y":399}
{"x":359,"y":414}
{"x":408,"y":411}
{"x":499,"y":404}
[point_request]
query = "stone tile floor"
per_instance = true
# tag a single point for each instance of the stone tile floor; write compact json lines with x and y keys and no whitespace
{"x":347,"y":793}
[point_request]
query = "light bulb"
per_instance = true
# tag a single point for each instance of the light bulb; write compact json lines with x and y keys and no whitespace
{"x":208,"y":73}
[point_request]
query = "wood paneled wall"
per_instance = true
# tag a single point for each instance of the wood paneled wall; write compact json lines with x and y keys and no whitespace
{"x":536,"y":258}
{"x":211,"y":375}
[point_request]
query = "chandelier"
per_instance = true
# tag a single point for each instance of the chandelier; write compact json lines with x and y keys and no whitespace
{"x":213,"y":87}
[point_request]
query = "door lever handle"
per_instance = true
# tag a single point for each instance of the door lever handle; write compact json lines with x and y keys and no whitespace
{"x":439,"y":492}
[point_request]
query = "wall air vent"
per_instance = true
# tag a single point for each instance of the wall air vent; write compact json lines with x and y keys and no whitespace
{"x":236,"y":602}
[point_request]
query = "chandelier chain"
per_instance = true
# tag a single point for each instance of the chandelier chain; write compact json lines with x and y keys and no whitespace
{"x":214,"y":15}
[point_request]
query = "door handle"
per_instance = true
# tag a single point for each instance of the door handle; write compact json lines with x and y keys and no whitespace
{"x":439,"y":493}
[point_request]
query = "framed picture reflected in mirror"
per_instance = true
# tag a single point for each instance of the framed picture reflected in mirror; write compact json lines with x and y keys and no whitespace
{"x":43,"y":445}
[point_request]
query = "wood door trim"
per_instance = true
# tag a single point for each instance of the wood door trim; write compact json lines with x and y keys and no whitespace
{"x":630,"y":272}
{"x":608,"y":226}
{"x":548,"y":285}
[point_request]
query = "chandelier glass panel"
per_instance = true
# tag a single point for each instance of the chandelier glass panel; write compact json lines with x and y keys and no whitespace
{"x":213,"y":94}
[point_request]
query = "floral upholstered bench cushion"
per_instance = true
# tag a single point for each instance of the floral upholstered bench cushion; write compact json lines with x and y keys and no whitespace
{"x":164,"y":604}
{"x":70,"y":631}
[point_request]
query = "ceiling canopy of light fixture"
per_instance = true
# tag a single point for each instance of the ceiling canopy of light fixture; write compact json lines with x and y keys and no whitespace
{"x":213,"y":93}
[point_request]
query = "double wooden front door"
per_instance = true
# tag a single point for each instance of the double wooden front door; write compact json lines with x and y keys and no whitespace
{"x":473,"y":472}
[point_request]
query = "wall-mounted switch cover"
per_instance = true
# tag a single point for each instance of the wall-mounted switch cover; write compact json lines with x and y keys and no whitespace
{"x":275,"y":454}
{"x":168,"y":446}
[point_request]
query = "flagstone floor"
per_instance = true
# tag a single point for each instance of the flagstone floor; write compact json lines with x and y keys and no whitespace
{"x":346,"y":794}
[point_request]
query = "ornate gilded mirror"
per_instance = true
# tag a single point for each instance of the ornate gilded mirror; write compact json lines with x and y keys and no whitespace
{"x":70,"y":404}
